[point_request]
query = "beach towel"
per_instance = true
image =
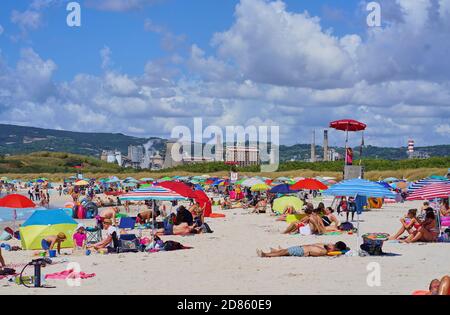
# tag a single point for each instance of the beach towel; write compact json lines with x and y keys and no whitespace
{"x":69,"y":274}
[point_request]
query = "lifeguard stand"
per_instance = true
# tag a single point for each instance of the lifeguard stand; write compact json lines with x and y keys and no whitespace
{"x":353,"y":171}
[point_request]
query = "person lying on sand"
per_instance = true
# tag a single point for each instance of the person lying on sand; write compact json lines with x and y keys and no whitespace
{"x":49,"y":242}
{"x":181,"y":229}
{"x":171,"y":228}
{"x":427,"y":232}
{"x":410,"y":223}
{"x":313,"y":250}
{"x":437,"y":287}
{"x":2,"y":261}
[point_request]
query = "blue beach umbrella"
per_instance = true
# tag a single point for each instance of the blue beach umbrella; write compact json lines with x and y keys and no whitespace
{"x":282,"y":189}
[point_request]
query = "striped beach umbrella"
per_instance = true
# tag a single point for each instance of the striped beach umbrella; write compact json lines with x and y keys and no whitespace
{"x":430,"y":192}
{"x":152,"y":193}
{"x":359,"y":187}
{"x":424,"y":182}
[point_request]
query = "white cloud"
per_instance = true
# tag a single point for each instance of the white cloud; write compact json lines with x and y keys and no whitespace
{"x":26,"y":20}
{"x":271,"y":45}
{"x":1,"y":30}
{"x":105,"y":54}
{"x":271,"y":66}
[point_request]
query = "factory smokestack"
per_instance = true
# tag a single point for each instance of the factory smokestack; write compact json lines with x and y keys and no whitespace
{"x":325,"y":145}
{"x":313,"y":147}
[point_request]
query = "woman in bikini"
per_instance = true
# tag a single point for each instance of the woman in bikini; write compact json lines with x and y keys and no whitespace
{"x":427,"y":232}
{"x":410,"y":223}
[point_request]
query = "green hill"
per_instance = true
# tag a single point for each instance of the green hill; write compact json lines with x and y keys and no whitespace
{"x":16,"y":140}
{"x":22,"y":140}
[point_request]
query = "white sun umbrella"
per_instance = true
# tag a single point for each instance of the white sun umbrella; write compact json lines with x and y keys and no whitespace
{"x":251,"y":182}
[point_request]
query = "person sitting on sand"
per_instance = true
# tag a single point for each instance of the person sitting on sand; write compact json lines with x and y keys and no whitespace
{"x":313,"y":250}
{"x":410,"y":223}
{"x":198,"y":213}
{"x":329,"y":218}
{"x":2,"y":261}
{"x":184,"y":216}
{"x":110,"y":213}
{"x":427,"y":232}
{"x":226,"y":205}
{"x":111,"y":242}
{"x":261,"y":206}
{"x":49,"y":242}
{"x":445,"y":208}
{"x":145,"y":217}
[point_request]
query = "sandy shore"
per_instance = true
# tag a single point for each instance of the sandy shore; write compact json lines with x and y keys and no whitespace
{"x":225,"y":262}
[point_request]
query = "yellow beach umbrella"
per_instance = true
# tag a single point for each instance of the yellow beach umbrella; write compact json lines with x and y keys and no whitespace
{"x":81,"y":183}
{"x":45,"y":223}
{"x":260,"y":187}
{"x":280,"y":204}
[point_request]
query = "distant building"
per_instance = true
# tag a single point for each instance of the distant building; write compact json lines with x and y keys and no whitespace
{"x":156,"y":162}
{"x":412,"y":154}
{"x":219,"y":149}
{"x":242,"y":155}
{"x":170,"y":161}
{"x":112,"y":156}
{"x":136,"y":155}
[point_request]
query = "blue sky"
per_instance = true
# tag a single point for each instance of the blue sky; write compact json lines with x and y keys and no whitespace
{"x":142,"y":67}
{"x":75,"y":50}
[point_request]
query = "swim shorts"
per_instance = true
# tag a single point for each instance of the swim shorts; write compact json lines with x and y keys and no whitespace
{"x":168,"y":229}
{"x":296,"y":251}
{"x":45,"y":245}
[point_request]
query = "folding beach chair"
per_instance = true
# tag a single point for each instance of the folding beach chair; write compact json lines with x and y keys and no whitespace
{"x":127,"y":223}
{"x":93,"y":235}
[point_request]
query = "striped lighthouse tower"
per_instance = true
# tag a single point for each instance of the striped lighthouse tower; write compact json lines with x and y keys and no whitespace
{"x":410,"y":148}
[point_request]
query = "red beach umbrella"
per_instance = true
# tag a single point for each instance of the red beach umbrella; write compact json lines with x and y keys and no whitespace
{"x":16,"y":201}
{"x":310,"y":184}
{"x":348,"y":125}
{"x":179,"y":187}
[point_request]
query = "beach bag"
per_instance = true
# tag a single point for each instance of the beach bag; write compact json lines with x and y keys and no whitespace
{"x":346,"y":226}
{"x":206,"y":228}
{"x":373,"y":247}
{"x":172,"y":245}
{"x":129,"y":244}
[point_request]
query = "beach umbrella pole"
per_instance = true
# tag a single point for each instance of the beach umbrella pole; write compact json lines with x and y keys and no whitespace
{"x":154,"y":218}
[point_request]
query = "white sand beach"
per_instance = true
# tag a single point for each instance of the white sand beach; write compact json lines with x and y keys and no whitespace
{"x":226,"y":262}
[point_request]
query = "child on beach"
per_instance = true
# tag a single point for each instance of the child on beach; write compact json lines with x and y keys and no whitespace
{"x":80,"y":237}
{"x":49,"y":242}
